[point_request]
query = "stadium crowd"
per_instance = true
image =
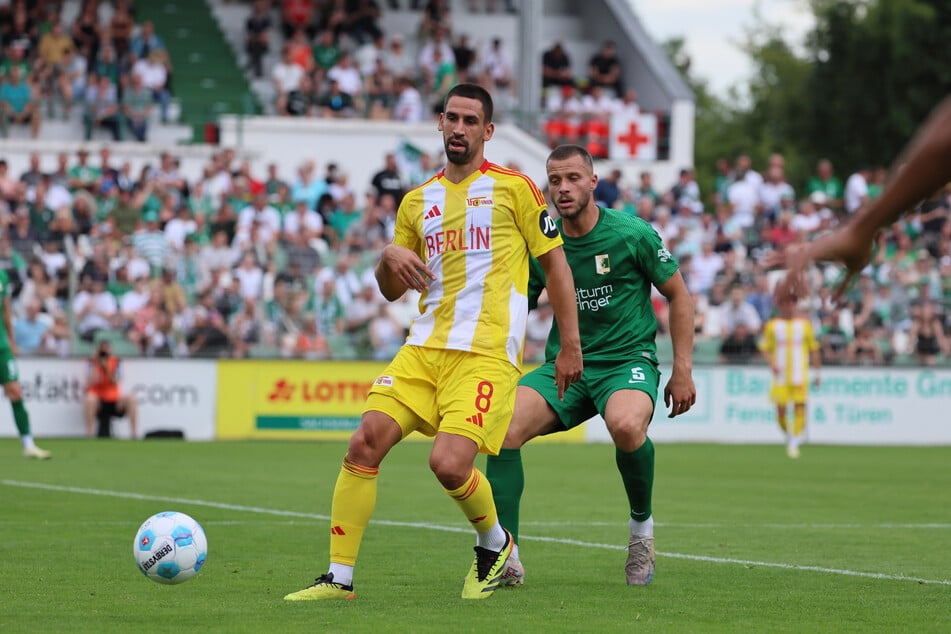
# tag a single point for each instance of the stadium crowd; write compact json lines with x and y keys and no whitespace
{"x":105,"y":64}
{"x":241,"y":263}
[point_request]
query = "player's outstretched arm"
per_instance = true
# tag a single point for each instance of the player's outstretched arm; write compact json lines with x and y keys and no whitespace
{"x":561,"y":294}
{"x":923,"y":167}
{"x":680,"y":394}
{"x":400,"y":269}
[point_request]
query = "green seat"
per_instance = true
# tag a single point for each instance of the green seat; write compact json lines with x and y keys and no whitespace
{"x":264,"y":351}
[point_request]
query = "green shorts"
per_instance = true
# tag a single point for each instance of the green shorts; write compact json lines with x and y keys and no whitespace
{"x":9,"y":370}
{"x":599,"y":381}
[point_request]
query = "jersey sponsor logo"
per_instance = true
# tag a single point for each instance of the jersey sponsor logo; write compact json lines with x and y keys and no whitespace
{"x":593,"y":299}
{"x":637,"y":376}
{"x":663,"y":255}
{"x":433,"y":213}
{"x":602,"y":264}
{"x":473,"y":239}
{"x":386,"y":381}
{"x":547,"y":224}
{"x":479,"y":201}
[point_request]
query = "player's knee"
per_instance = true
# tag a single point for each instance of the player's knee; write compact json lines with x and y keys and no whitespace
{"x":451,"y":472}
{"x":13,"y":392}
{"x":629,"y":435}
{"x":370,"y":444}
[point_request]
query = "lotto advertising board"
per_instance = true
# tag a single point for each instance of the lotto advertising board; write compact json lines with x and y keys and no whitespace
{"x":852,"y":406}
{"x":292,"y":399}
{"x":172,"y":395}
{"x":303,"y":399}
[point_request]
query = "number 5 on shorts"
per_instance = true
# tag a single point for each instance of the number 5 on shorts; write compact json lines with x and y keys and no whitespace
{"x":637,"y":375}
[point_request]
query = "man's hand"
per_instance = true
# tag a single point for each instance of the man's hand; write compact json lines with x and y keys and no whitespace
{"x":680,"y":394}
{"x":407,"y":267}
{"x":568,"y":368}
{"x":848,"y":245}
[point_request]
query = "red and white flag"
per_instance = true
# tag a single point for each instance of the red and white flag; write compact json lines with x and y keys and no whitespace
{"x":633,"y":136}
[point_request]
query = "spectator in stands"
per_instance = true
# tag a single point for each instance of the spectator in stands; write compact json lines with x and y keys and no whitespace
{"x":336,"y":103}
{"x":856,"y":189}
{"x":326,"y":54}
{"x":132,"y":302}
{"x":257,"y":35}
{"x":604,"y":69}
{"x":828,"y":183}
{"x":556,"y":67}
{"x":361,"y":21}
{"x":297,"y":14}
{"x":386,"y":334}
{"x":397,"y":60}
{"x":863,"y":350}
{"x":94,"y":308}
{"x":608,"y":190}
{"x":348,"y":79}
{"x":409,"y":103}
{"x":737,"y":311}
{"x":244,"y":328}
{"x":286,"y":76}
{"x":833,"y":339}
{"x":31,"y":329}
{"x":207,"y":337}
{"x":389,"y":180}
{"x":121,"y":27}
{"x":155,"y":70}
{"x":301,"y":51}
{"x":498,"y":73}
{"x":86,"y":32}
{"x":645,"y":188}
{"x":739,"y":347}
{"x":102,"y":108}
{"x":380,"y":90}
{"x":104,"y":399}
{"x":773,"y":192}
{"x":146,"y":41}
{"x":310,"y":343}
{"x":437,"y":20}
{"x":427,"y":63}
{"x":18,"y":104}
{"x":465,"y":57}
{"x":137,"y":107}
{"x":927,"y":335}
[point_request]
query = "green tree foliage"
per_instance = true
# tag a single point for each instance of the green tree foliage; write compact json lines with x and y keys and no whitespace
{"x":854,"y":91}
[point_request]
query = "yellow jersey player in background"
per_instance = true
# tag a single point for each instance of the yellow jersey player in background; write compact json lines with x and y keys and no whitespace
{"x":789,"y":345}
{"x":462,"y":239}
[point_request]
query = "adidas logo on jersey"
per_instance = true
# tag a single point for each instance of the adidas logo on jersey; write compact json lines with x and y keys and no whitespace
{"x":432,"y":213}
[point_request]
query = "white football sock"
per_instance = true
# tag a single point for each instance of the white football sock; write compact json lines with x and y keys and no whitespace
{"x":27,"y":441}
{"x":493,"y":539}
{"x":645,"y":528}
{"x":342,"y":573}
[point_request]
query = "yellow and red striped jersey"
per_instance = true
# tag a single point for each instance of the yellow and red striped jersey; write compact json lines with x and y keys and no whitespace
{"x":788,"y":343}
{"x":476,"y":237}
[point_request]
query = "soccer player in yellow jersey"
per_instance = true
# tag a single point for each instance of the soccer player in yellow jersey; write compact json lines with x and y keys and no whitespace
{"x":462,"y":239}
{"x":788,"y":345}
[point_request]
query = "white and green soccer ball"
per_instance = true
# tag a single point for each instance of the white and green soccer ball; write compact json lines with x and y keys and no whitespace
{"x":170,"y":547}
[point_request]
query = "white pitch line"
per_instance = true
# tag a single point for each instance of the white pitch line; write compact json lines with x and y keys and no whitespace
{"x":454,"y":529}
{"x":904,"y":526}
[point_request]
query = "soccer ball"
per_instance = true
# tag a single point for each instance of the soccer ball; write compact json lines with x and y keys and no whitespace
{"x":170,"y":547}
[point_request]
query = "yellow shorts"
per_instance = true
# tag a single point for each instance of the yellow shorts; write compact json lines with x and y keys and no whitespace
{"x":430,"y":390}
{"x":781,"y":394}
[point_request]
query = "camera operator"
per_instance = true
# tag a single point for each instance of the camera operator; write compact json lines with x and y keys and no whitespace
{"x":103,"y":398}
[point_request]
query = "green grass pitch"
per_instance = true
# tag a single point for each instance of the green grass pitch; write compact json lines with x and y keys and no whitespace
{"x":843,"y":539}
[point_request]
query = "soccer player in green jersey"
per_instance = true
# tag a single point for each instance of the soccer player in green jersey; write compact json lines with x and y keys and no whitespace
{"x":10,"y":375}
{"x":615,"y":259}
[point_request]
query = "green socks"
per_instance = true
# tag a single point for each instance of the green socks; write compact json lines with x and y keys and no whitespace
{"x":637,"y":472}
{"x":507,"y":478}
{"x":21,"y":418}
